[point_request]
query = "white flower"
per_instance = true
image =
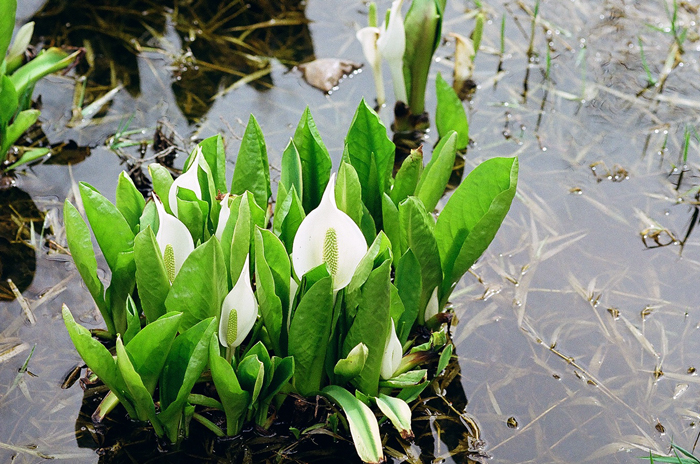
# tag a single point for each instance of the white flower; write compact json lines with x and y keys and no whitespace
{"x":238,"y":311}
{"x":174,"y":240}
{"x":368,"y":38}
{"x":393,"y":352}
{"x":328,"y":235}
{"x":224,"y":214}
{"x":188,"y":180}
{"x":392,"y":45}
{"x":432,"y":307}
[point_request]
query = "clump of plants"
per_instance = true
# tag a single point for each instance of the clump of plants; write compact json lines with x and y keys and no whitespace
{"x":17,"y":80}
{"x":338,"y":287}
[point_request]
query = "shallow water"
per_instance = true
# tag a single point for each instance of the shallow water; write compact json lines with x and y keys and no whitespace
{"x":568,"y":321}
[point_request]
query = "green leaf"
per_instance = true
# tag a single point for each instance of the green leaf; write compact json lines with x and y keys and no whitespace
{"x":444,"y":359}
{"x":272,"y":274}
{"x":185,"y":363}
{"x":99,"y":359}
{"x":251,"y":374}
{"x":364,"y":268}
{"x":9,"y":101}
{"x":371,"y":153}
{"x":288,"y":216}
{"x":417,"y":234}
{"x":241,"y":239}
{"x":398,"y":412}
{"x":194,"y":213}
{"x":233,"y":398}
{"x":348,"y":192}
{"x":80,"y":245}
{"x":437,"y":173}
{"x":371,"y":326}
{"x":392,"y":227}
{"x":252,"y":172}
{"x":315,"y":161}
{"x":407,"y":379}
{"x":149,"y":348}
{"x":406,"y":179}
{"x":8,"y":10}
{"x":472,"y":216}
{"x":350,"y":366}
{"x":162,"y":181}
{"x":308,"y":335}
{"x":409,"y":284}
{"x":363,"y":424}
{"x":130,"y":202}
{"x":291,"y":171}
{"x":423,"y":26}
{"x":47,"y":62}
{"x":133,"y":321}
{"x":215,"y":156}
{"x":201,"y":285}
{"x":450,"y":114}
{"x":15,"y":54}
{"x":23,"y":121}
{"x":145,"y":408}
{"x":151,"y":277}
{"x":29,"y":155}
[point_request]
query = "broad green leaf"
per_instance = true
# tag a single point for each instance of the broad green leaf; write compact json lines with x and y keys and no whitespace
{"x":398,"y":412}
{"x":348,"y":192}
{"x":363,"y":424}
{"x":47,"y":62}
{"x":162,"y":181}
{"x":315,"y":161}
{"x":9,"y":101}
{"x":233,"y":398}
{"x":193,"y":212}
{"x":185,"y":363}
{"x":408,"y":282}
{"x":145,"y":408}
{"x":392,"y":226}
{"x":215,"y":156}
{"x":472,"y":216}
{"x":251,"y":375}
{"x":417,"y":234}
{"x":99,"y":359}
{"x":8,"y":10}
{"x":201,"y":285}
{"x":272,"y":274}
{"x":288,"y":217}
{"x":133,"y":321}
{"x":423,"y":24}
{"x":396,"y":308}
{"x":260,"y":351}
{"x":371,"y":326}
{"x":80,"y":246}
{"x":15,"y":54}
{"x":444,"y":359}
{"x":371,"y":153}
{"x":450,"y":114}
{"x":112,"y":231}
{"x":308,"y":335}
{"x":149,"y":348}
{"x":241,"y":239}
{"x":351,"y":365}
{"x":252,"y":172}
{"x":23,"y":121}
{"x":291,"y":171}
{"x":378,"y":248}
{"x":130,"y":202}
{"x":407,"y":178}
{"x":29,"y":155}
{"x":432,"y":183}
{"x":283,"y":369}
{"x":151,"y":277}
{"x":149,"y":217}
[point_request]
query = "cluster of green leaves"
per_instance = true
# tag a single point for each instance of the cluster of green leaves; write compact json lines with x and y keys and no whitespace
{"x":324,"y":341}
{"x":17,"y":80}
{"x":680,"y":456}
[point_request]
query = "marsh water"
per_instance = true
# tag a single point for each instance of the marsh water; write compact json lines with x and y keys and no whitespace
{"x":579,"y":330}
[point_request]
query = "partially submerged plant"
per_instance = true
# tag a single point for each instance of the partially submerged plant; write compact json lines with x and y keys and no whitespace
{"x":17,"y":80}
{"x":352,"y":264}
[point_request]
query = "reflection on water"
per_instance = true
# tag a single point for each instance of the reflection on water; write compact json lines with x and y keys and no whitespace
{"x":211,"y":45}
{"x":574,"y":340}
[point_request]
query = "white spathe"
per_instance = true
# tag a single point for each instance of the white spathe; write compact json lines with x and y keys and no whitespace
{"x":174,"y":240}
{"x":392,"y":45}
{"x":368,"y":37}
{"x":187,"y":180}
{"x":239,"y":310}
{"x":224,"y":214}
{"x":328,"y":235}
{"x":393,"y":352}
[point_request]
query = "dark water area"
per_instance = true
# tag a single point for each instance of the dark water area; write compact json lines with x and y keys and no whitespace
{"x":579,"y":330}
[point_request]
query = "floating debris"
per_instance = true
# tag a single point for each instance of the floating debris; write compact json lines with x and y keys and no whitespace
{"x":326,"y":73}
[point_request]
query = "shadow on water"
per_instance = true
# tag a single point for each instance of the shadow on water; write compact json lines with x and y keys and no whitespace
{"x":213,"y":45}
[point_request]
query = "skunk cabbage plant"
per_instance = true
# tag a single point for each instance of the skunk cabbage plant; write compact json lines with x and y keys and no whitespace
{"x":338,"y":293}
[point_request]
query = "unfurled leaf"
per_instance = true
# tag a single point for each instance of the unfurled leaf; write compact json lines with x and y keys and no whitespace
{"x":407,"y":178}
{"x":152,"y":280}
{"x":436,"y":174}
{"x":315,"y":161}
{"x":450,"y":114}
{"x":130,"y":202}
{"x":234,"y":399}
{"x":398,"y":412}
{"x":252,"y":172}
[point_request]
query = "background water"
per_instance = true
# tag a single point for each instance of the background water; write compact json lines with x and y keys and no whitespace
{"x":569,"y":325}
